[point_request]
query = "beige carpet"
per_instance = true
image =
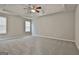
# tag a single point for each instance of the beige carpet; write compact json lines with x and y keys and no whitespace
{"x":37,"y":46}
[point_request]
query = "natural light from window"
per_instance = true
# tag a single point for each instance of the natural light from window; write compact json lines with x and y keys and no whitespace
{"x":27,"y":26}
{"x":2,"y":25}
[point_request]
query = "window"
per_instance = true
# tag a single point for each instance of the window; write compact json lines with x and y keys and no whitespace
{"x":27,"y":26}
{"x":2,"y":25}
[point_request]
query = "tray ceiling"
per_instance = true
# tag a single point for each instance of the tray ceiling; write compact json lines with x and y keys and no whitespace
{"x":18,"y":9}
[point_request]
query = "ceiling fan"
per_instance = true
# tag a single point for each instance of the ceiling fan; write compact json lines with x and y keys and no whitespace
{"x":34,"y":8}
{"x":30,"y":10}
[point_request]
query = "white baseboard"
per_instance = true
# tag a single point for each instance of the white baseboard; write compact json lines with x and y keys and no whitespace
{"x":77,"y":45}
{"x":54,"y":38}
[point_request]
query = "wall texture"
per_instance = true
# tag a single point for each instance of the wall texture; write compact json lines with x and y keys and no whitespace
{"x":77,"y":26}
{"x":59,"y":25}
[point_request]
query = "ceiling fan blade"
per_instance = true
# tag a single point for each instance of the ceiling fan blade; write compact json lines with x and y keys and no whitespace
{"x":34,"y":7}
{"x":38,"y":8}
{"x":37,"y":11}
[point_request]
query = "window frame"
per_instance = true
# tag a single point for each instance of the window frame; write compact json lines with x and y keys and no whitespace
{"x":30,"y":26}
{"x":5,"y":25}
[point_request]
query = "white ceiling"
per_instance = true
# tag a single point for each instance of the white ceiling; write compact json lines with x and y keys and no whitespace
{"x":18,"y":9}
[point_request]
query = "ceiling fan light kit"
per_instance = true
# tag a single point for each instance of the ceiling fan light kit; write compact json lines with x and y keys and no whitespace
{"x":35,"y":8}
{"x":33,"y":11}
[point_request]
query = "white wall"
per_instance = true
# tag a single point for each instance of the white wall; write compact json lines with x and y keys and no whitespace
{"x":77,"y":26}
{"x":15,"y":25}
{"x":59,"y":25}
